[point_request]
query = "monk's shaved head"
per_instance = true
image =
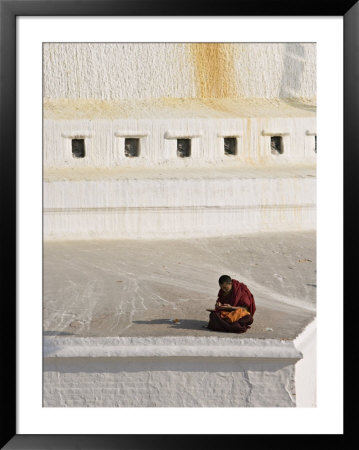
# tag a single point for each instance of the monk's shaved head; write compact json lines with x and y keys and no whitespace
{"x":225,"y":279}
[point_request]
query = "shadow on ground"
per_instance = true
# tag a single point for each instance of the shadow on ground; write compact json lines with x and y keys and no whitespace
{"x":186,"y":324}
{"x":57,"y":333}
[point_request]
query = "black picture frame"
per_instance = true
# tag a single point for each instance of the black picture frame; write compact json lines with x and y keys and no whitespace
{"x":9,"y":10}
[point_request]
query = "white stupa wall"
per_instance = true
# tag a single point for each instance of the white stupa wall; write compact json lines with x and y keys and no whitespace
{"x":175,"y":224}
{"x":105,"y":140}
{"x":95,"y":197}
{"x":306,"y":368}
{"x":106,"y":92}
{"x":118,"y":71}
{"x":181,"y":382}
{"x":216,"y":192}
{"x":169,"y":372}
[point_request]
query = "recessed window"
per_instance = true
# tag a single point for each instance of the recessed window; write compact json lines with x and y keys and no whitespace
{"x":78,"y":148}
{"x":315,"y":144}
{"x":230,"y":146}
{"x":132,"y":147}
{"x":183,"y":148}
{"x":276,"y":144}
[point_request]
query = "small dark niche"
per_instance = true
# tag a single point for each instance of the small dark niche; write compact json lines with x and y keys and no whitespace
{"x":230,"y":146}
{"x":183,"y":148}
{"x":132,"y":147}
{"x":276,"y":144}
{"x":78,"y":148}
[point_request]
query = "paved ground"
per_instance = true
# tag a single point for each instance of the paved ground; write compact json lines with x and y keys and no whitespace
{"x":134,"y":288}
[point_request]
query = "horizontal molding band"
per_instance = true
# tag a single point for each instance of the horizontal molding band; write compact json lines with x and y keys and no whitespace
{"x":275,"y":133}
{"x":131,"y":134}
{"x":178,"y":208}
{"x":77,"y":135}
{"x":235,"y":134}
{"x":72,"y":347}
{"x":182,"y":134}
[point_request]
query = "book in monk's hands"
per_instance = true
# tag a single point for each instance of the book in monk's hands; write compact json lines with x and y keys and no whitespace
{"x":222,"y":308}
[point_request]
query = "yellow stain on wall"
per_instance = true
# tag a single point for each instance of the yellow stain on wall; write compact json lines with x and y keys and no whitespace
{"x":214,"y":69}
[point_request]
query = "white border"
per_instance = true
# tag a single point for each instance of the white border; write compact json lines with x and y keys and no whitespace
{"x":31,"y":32}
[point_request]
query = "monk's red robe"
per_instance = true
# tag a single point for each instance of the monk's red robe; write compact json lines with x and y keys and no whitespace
{"x":239,"y":295}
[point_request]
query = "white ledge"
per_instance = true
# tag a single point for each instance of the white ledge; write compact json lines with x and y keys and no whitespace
{"x":169,"y":346}
{"x":235,"y":134}
{"x":131,"y":134}
{"x":275,"y":133}
{"x":77,"y":135}
{"x":182,"y":134}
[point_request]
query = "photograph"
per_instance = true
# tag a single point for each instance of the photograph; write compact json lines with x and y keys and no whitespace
{"x":179,"y":224}
{"x":177,"y":244}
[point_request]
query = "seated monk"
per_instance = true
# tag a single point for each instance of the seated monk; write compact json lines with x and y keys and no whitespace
{"x":239,"y":302}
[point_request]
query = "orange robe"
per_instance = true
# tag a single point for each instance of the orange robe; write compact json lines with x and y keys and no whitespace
{"x":233,"y":316}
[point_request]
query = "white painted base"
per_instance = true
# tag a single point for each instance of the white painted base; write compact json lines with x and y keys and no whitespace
{"x":196,"y":206}
{"x":169,"y":372}
{"x":306,"y":369}
{"x":170,"y":223}
{"x":171,"y":382}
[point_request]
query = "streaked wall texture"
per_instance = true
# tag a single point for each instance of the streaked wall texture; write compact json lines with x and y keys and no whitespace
{"x":120,"y":71}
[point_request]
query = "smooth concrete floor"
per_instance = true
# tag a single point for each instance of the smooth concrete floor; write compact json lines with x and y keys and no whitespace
{"x":135,"y":288}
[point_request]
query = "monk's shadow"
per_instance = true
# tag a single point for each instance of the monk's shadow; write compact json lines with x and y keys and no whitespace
{"x":185,"y":324}
{"x":57,"y":333}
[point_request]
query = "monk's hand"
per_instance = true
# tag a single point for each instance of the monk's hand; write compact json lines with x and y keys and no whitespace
{"x":218,"y":304}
